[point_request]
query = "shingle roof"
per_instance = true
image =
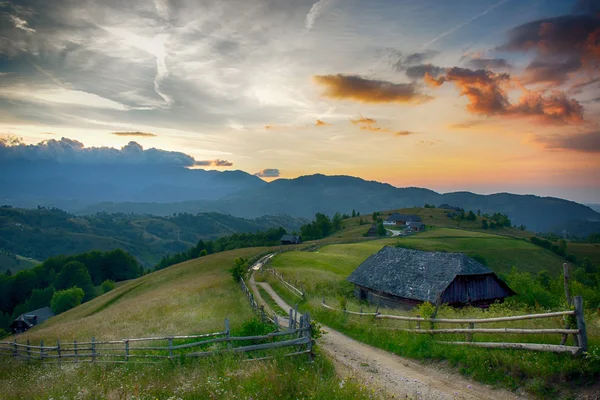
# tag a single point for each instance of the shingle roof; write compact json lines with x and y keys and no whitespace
{"x":42,"y":314}
{"x":414,"y":274}
{"x":290,"y":238}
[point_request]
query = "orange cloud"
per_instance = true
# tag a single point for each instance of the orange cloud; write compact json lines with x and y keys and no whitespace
{"x":374,"y":128}
{"x":487,"y":95}
{"x":139,"y":134}
{"x":320,"y":123}
{"x":363,"y":120}
{"x":362,"y":90}
{"x":587,"y":142}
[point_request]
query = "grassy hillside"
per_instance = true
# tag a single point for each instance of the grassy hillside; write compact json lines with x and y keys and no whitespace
{"x":192,"y":297}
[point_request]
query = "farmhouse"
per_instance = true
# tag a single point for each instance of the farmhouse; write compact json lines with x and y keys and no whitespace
{"x":398,"y":277}
{"x":401,"y":219}
{"x":28,"y":320}
{"x":372,"y":232}
{"x":415,"y":226}
{"x":291,"y":239}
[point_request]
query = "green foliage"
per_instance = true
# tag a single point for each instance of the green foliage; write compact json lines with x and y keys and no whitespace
{"x":425,"y":310}
{"x":343,"y":301}
{"x":64,"y":300}
{"x":319,"y":228}
{"x":40,"y":298}
{"x":239,"y":269}
{"x":381,"y":229}
{"x":470,"y":216}
{"x":429,"y":205}
{"x":484,"y":224}
{"x":75,"y":273}
{"x":107,"y":286}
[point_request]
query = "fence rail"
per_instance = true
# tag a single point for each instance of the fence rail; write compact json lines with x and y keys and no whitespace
{"x":298,"y":339}
{"x":288,"y":285}
{"x":580,"y":334}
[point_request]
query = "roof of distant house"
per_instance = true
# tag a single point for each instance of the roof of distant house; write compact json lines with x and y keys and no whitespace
{"x":290,"y":238}
{"x":414,"y":274}
{"x":403,"y":217}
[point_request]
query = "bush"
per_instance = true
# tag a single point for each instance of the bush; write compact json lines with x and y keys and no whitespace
{"x":239,"y":269}
{"x":64,"y":300}
{"x":107,"y":286}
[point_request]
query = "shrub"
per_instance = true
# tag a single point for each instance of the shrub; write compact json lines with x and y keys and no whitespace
{"x":107,"y":286}
{"x":64,"y":300}
{"x":239,"y":269}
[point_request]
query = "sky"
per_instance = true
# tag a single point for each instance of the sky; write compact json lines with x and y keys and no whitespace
{"x":480,"y":95}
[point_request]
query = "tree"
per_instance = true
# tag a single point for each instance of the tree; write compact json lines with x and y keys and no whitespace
{"x":353,"y":213}
{"x":40,"y":298}
{"x":107,"y":286}
{"x":64,"y":300}
{"x":8,"y":272}
{"x":484,"y":224}
{"x":336,"y":222}
{"x":381,"y":230}
{"x":75,"y":273}
{"x":470,"y":216}
{"x":239,"y":269}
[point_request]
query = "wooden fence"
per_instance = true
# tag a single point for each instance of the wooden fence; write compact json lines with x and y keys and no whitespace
{"x":298,"y":339}
{"x":298,"y":292}
{"x":580,"y":334}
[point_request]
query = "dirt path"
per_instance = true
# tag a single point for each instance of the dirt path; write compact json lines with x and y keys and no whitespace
{"x":397,"y":376}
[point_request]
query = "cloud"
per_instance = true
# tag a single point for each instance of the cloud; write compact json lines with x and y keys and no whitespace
{"x":314,"y":12}
{"x":465,"y":125}
{"x":69,"y":151}
{"x":363,"y":120}
{"x":386,"y":130}
{"x":486,"y":92}
{"x":419,"y":71}
{"x":268,"y":173}
{"x":140,"y":134}
{"x":356,"y":88}
{"x":405,"y":61}
{"x":561,"y":45}
{"x":320,"y":123}
{"x":488,"y":63}
{"x":214,"y":163}
{"x":21,"y":24}
{"x":587,"y":142}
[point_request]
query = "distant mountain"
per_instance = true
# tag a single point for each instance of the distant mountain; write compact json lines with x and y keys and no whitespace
{"x":595,"y":207}
{"x":41,"y":233}
{"x":578,"y":228}
{"x":306,"y":195}
{"x":28,"y":184}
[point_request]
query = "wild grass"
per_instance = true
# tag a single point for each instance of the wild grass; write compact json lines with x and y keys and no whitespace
{"x":225,"y":377}
{"x":270,"y":302}
{"x":324,"y":273}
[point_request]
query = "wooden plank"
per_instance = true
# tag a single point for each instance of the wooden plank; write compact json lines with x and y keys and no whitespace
{"x":479,"y":320}
{"x":554,"y":348}
{"x":582,"y":335}
{"x":264,"y":346}
{"x":483,"y":330}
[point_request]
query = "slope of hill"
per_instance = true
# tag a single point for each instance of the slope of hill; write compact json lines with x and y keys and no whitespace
{"x":306,"y":195}
{"x":41,"y":233}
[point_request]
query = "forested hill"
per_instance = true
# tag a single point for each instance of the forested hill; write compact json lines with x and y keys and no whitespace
{"x":42,"y":233}
{"x":307,"y":195}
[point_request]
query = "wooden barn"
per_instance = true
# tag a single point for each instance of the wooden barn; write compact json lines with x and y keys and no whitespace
{"x":291,"y":239}
{"x":398,"y":277}
{"x":28,"y":320}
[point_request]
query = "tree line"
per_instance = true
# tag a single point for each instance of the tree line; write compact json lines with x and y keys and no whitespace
{"x":50,"y":283}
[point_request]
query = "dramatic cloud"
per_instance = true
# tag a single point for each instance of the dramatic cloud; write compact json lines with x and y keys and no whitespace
{"x":140,"y":134}
{"x":488,"y":63}
{"x":215,"y":163}
{"x":419,"y":71}
{"x":268,"y":173}
{"x":320,"y":123}
{"x":487,"y":95}
{"x":69,"y":151}
{"x":588,"y":142}
{"x":356,"y":88}
{"x":314,"y":12}
{"x":404,"y":61}
{"x":562,"y":46}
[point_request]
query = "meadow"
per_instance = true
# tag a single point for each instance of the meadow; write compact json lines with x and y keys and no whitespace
{"x":189,"y":298}
{"x":323,"y":275}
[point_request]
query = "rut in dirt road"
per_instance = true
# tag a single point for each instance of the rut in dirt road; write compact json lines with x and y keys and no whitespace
{"x":387,"y":372}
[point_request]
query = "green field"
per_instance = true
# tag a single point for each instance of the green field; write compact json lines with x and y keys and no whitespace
{"x":590,"y":251}
{"x":192,"y":297}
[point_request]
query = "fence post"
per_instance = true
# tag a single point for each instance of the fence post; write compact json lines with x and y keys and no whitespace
{"x":309,"y":334}
{"x":93,"y":349}
{"x":300,"y":331}
{"x":75,"y":351}
{"x":291,"y":320}
{"x":41,"y":349}
{"x":470,"y":334}
{"x":170,"y":342}
{"x":127,"y":350}
{"x":58,"y":350}
{"x":418,"y":322}
{"x":569,"y":302}
{"x":296,"y":315}
{"x":28,"y":351}
{"x":582,"y":335}
{"x":15,"y":348}
{"x":227,"y":333}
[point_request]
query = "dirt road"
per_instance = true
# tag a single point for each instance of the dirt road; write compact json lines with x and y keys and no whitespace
{"x":396,"y":376}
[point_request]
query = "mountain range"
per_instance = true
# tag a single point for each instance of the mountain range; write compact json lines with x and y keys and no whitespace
{"x":160,"y":190}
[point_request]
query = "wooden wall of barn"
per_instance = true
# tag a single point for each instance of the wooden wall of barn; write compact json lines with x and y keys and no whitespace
{"x":474,"y":288}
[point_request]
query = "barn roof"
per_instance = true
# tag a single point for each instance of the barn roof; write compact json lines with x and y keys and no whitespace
{"x":290,"y":238}
{"x":42,"y":314}
{"x":414,"y":274}
{"x":403,"y":217}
